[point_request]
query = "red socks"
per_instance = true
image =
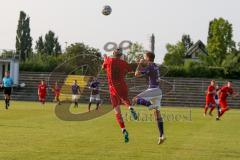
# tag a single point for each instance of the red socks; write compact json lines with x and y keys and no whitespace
{"x":223,"y":110}
{"x":120,"y":120}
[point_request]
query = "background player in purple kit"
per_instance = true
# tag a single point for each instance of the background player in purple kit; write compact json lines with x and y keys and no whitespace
{"x":95,"y":96}
{"x":153,"y":95}
{"x":216,"y":98}
{"x":75,"y":93}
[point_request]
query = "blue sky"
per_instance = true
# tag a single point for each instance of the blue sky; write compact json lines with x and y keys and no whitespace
{"x":135,"y":20}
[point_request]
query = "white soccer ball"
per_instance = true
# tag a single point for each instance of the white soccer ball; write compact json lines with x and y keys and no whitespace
{"x":107,"y":10}
{"x":22,"y":85}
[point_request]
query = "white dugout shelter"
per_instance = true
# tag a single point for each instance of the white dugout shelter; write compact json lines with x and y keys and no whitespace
{"x":11,"y":65}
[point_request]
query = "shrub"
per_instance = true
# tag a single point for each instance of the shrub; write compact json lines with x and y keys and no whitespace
{"x":196,"y":71}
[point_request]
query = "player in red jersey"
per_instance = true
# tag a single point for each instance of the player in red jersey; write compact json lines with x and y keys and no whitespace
{"x":224,"y":92}
{"x":117,"y":69}
{"x":210,"y":101}
{"x":56,"y":89}
{"x":42,"y":87}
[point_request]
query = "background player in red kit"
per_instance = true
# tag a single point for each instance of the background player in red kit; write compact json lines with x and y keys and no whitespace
{"x":210,"y":101}
{"x":224,"y":92}
{"x":42,"y":90}
{"x":117,"y":69}
{"x":56,"y":89}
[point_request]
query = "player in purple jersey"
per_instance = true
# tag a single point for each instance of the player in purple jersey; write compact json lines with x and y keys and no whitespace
{"x":151,"y":97}
{"x":95,"y":96}
{"x":218,"y":89}
{"x":75,"y":93}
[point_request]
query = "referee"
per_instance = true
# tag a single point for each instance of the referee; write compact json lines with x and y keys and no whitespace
{"x":7,"y":83}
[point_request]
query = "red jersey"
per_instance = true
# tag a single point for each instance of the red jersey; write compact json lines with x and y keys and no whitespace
{"x":42,"y":88}
{"x":210,"y":89}
{"x":57,"y":90}
{"x":116,"y":71}
{"x":224,"y":92}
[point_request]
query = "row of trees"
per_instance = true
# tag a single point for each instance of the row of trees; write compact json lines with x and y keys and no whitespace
{"x":223,"y":52}
{"x":42,"y":62}
{"x":47,"y":53}
{"x":49,"y":45}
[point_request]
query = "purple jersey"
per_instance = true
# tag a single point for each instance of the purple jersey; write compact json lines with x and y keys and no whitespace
{"x":95,"y":87}
{"x":75,"y":89}
{"x":152,"y":74}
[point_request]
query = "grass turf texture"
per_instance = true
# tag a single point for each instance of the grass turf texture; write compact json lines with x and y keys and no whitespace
{"x":29,"y":131}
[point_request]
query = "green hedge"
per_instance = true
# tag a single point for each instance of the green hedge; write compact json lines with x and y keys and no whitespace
{"x":197,"y":71}
{"x":37,"y":67}
{"x":40,"y":63}
{"x":189,"y":69}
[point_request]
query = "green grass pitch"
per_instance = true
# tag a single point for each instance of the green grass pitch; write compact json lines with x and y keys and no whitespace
{"x":30,"y":131}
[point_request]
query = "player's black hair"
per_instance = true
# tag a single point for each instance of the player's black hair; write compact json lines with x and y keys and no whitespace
{"x":117,"y":53}
{"x":151,"y":56}
{"x":230,"y":81}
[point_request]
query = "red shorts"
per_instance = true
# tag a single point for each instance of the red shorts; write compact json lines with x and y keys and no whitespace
{"x":223,"y":103}
{"x":57,"y":94}
{"x":42,"y":96}
{"x":210,"y":102}
{"x":119,"y":95}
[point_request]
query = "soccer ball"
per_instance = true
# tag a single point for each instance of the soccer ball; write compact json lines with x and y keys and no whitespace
{"x":107,"y":10}
{"x":22,"y":85}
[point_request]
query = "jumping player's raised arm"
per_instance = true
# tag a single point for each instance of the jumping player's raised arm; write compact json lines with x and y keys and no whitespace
{"x":104,"y":65}
{"x":127,"y":67}
{"x":138,"y":71}
{"x":90,"y":85}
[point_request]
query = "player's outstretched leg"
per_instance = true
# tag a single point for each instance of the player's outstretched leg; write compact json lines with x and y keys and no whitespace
{"x":223,"y":110}
{"x":133,"y":113}
{"x":121,"y":123}
{"x":127,"y":103}
{"x":126,"y":138}
{"x":141,"y":101}
{"x":159,"y":121}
